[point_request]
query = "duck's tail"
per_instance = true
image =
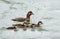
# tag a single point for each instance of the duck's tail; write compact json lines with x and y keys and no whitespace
{"x":13,"y":19}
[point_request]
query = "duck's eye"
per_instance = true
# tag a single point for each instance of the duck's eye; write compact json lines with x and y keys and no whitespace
{"x":39,"y":23}
{"x":29,"y":13}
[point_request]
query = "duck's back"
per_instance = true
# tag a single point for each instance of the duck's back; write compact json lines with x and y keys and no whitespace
{"x":19,"y":19}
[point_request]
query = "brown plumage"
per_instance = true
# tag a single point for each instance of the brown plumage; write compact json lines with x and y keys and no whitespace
{"x":21,"y":19}
{"x":37,"y":25}
{"x":19,"y":25}
{"x":32,"y":25}
{"x":11,"y":28}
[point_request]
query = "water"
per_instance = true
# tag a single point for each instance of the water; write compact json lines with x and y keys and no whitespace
{"x":48,"y":11}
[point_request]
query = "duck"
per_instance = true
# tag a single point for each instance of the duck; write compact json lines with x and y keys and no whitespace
{"x":11,"y":28}
{"x":38,"y":24}
{"x":21,"y":19}
{"x":20,"y":25}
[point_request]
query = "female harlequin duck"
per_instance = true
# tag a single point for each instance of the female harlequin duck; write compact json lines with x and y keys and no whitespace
{"x":20,"y":19}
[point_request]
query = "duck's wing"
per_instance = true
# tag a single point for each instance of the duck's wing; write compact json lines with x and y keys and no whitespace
{"x":19,"y":19}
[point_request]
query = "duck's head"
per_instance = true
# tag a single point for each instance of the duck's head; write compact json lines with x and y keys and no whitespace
{"x":40,"y":22}
{"x":30,"y":13}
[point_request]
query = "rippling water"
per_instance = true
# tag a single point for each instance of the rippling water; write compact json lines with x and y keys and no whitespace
{"x":48,"y":11}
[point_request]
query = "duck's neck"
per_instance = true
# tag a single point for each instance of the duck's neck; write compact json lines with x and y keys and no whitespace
{"x":28,"y":16}
{"x":38,"y":24}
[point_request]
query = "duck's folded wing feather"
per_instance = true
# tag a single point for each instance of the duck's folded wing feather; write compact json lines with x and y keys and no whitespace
{"x":19,"y":19}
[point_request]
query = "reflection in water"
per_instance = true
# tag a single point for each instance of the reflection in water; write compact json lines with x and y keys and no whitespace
{"x":41,"y":29}
{"x":33,"y":29}
{"x":15,"y":30}
{"x":24,"y":29}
